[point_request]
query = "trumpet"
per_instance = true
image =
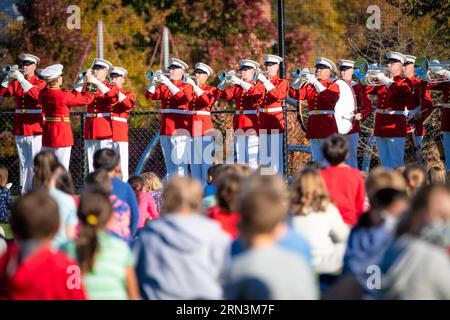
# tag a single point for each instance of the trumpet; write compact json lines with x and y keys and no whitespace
{"x":299,"y":73}
{"x":155,"y":75}
{"x":432,"y":72}
{"x":7,"y":69}
{"x":367,"y":73}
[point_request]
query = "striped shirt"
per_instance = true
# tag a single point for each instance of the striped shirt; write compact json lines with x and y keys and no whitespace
{"x":107,"y":280}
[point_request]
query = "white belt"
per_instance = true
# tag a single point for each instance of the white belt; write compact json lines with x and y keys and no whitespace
{"x":270,"y":110}
{"x":178,"y":111}
{"x":200,"y":112}
{"x":119,"y":119}
{"x":446,"y":105}
{"x":98,"y":115}
{"x":246,"y":112}
{"x":28,"y":111}
{"x":320,"y":112}
{"x":390,"y":112}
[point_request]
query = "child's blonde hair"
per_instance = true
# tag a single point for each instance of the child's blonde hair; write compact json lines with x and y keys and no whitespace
{"x":3,"y":176}
{"x":436,"y":175}
{"x":380,"y":178}
{"x":151,"y":181}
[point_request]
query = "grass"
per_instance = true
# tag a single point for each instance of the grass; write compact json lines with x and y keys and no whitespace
{"x":7,"y":228}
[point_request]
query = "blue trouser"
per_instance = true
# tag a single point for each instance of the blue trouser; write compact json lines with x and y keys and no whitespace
{"x":353,"y":140}
{"x":271,"y":151}
{"x":176,"y":154}
{"x":201,"y":157}
{"x":391,"y":151}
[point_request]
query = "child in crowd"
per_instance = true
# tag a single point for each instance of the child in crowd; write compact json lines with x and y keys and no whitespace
{"x":345,"y":184}
{"x":154,"y":186}
{"x":224,"y":211}
{"x":318,"y":220}
{"x":436,"y":175}
{"x":31,"y":269}
{"x":416,"y":266}
{"x":47,"y":171}
{"x":146,"y":203}
{"x":119,"y":224}
{"x":415,"y":177}
{"x":5,"y":196}
{"x":106,"y":262}
{"x":266,"y":270}
{"x":373,"y":234}
{"x":183,"y":254}
{"x":65,"y":183}
{"x":210,"y":189}
{"x":380,"y":178}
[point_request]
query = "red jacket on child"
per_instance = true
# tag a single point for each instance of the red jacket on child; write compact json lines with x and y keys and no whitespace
{"x":347,"y":191}
{"x":45,"y":274}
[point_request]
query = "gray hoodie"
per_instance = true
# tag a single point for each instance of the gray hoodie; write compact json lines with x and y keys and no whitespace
{"x":181,"y":257}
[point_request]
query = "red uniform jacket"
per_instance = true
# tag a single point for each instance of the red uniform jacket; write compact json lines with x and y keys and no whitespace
{"x":364,"y":105}
{"x":420,"y":95}
{"x":393,"y":98}
{"x":250,"y":100}
{"x":349,"y":197}
{"x":26,"y":124}
{"x":274,"y":99}
{"x":319,"y":126}
{"x":119,"y":116}
{"x":173,"y":121}
{"x":56,"y":104}
{"x":44,"y":275}
{"x":96,"y":127}
{"x":202,"y":124}
{"x":444,"y":87}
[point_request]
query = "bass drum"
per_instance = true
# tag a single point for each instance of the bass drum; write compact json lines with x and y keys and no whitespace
{"x":345,"y":109}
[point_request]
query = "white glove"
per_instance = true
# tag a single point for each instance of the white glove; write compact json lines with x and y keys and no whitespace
{"x":5,"y":81}
{"x":316,"y":83}
{"x":235,"y":80}
{"x":122,"y":96}
{"x":173,"y":88}
{"x":16,"y":74}
{"x":190,"y":81}
{"x":79,"y":85}
{"x":152,"y":87}
{"x":262,"y":77}
{"x":382,"y":77}
{"x":103,"y":87}
{"x":266,"y":82}
{"x":197,"y":90}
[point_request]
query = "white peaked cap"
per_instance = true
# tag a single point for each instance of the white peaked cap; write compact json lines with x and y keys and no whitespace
{"x":204,"y":67}
{"x":249,"y":63}
{"x":345,"y":63}
{"x":52,"y":72}
{"x":326,"y":62}
{"x":271,"y":58}
{"x":178,"y":63}
{"x":119,"y":70}
{"x":410,"y":58}
{"x":396,"y":55}
{"x":102,"y":62}
{"x":29,"y":57}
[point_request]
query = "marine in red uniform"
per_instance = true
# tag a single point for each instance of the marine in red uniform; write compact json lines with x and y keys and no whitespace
{"x":56,"y":104}
{"x":119,"y":117}
{"x":420,"y":104}
{"x":322,"y":96}
{"x":174,"y":131}
{"x":271,"y":117}
{"x":364,"y":108}
{"x":248,"y":96}
{"x":97,"y":127}
{"x":390,"y":120}
{"x":25,"y":86}
{"x":445,"y":118}
{"x":201,"y":126}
